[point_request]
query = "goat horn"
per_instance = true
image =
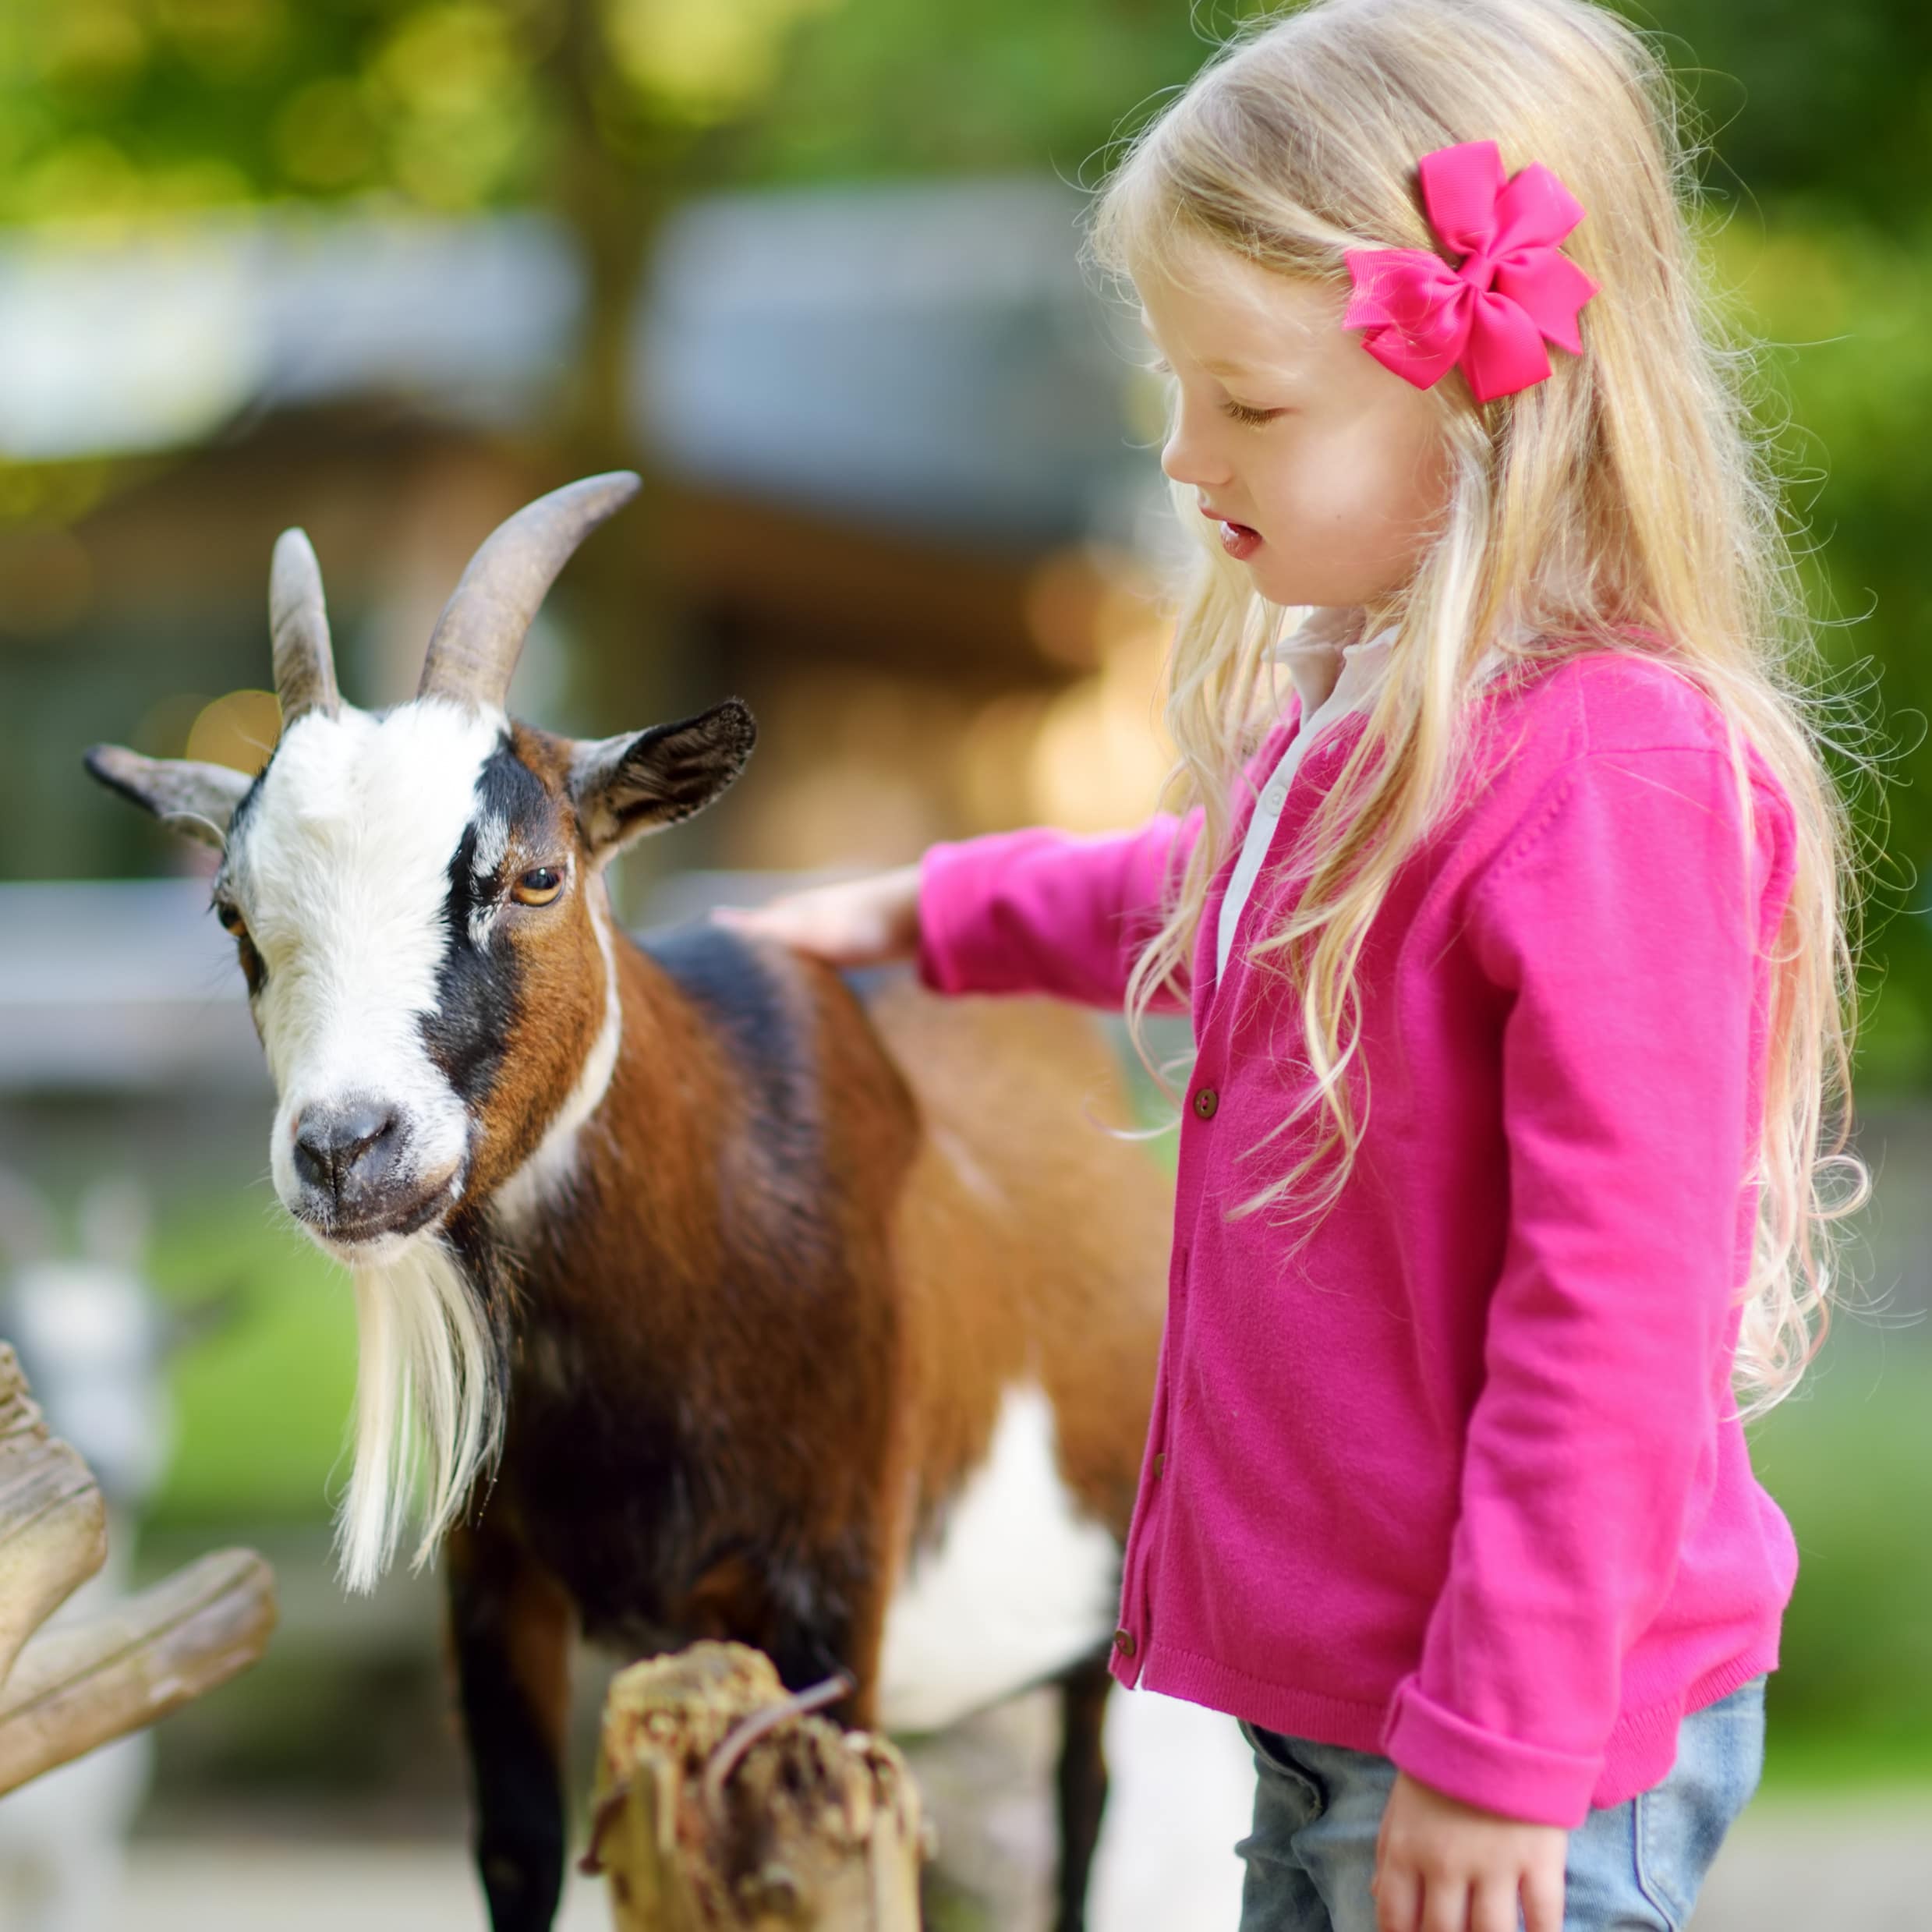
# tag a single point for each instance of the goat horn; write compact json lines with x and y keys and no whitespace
{"x":305,"y":666}
{"x":474,"y":646}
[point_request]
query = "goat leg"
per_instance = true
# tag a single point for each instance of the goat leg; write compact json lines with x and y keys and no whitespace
{"x":1081,"y":1785}
{"x":510,"y":1628}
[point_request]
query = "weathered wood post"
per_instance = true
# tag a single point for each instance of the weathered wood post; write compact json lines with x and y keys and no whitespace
{"x":66,"y":1690}
{"x":723,"y":1806}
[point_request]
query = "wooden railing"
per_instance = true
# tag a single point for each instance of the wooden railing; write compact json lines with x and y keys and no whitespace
{"x":66,"y":1689}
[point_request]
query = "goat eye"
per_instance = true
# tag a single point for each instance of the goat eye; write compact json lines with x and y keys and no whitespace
{"x":231,"y":918}
{"x":538,"y":887}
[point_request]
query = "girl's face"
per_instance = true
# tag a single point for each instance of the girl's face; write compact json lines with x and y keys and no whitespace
{"x":1332,"y":466}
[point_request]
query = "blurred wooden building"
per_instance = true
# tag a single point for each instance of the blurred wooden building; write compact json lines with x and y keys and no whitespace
{"x":905,"y":500}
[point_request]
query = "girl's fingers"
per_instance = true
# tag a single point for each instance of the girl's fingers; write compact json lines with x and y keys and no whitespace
{"x":853,"y":922}
{"x":781,"y":921}
{"x":1543,"y":1899}
{"x":1398,"y":1899}
{"x":776,"y":915}
{"x":745,"y":918}
{"x":1492,"y":1906}
{"x":814,"y":928}
{"x":1445,"y":1906}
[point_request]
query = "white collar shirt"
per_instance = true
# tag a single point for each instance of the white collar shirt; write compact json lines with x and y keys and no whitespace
{"x":1331,"y":682}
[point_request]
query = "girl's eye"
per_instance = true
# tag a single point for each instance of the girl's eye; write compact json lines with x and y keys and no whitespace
{"x":1239,"y":412}
{"x":538,"y":887}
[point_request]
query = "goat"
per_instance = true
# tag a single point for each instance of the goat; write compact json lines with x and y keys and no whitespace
{"x":701,"y":1289}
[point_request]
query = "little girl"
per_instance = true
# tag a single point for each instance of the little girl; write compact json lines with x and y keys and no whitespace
{"x":1513,"y":935}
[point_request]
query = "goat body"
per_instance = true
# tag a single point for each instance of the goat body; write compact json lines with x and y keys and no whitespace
{"x":812,"y":1262}
{"x":701,"y":1291}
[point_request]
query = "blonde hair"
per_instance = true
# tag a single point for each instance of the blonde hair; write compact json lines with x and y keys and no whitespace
{"x":1630,"y":493}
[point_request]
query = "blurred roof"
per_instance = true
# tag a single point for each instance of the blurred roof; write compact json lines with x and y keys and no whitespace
{"x":919,"y":356}
{"x":162,"y":340}
{"x":925,"y":355}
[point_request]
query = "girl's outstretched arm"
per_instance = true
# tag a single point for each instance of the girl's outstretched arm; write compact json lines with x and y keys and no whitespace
{"x":1039,"y":911}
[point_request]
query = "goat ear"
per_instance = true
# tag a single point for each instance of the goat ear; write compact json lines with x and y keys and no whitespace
{"x":642,"y":781}
{"x":196,"y":800}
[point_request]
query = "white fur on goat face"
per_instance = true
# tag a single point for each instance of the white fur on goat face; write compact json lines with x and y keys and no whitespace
{"x":340,"y":865}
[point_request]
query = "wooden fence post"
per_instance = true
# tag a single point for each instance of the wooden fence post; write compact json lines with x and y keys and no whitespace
{"x":723,"y":1806}
{"x":65,"y":1689}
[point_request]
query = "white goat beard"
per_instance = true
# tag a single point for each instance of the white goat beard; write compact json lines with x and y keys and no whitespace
{"x":428,"y":1420}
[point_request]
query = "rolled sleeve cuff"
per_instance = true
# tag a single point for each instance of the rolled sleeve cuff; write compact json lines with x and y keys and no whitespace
{"x":950,"y":885}
{"x":1501,"y":1774}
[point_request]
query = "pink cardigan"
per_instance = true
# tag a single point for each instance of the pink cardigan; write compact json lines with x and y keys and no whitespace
{"x":1463,"y":1480}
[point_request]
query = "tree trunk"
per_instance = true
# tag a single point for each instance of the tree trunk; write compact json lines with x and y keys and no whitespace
{"x":64,"y":1690}
{"x":721,"y":1807}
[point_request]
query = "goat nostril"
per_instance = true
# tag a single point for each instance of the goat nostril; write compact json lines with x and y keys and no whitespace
{"x":330,"y":1144}
{"x":311,"y":1160}
{"x":360,"y":1129}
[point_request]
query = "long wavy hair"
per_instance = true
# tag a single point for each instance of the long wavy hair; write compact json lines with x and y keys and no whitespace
{"x":1628,"y":502}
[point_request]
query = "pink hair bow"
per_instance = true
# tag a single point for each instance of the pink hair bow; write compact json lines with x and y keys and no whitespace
{"x":1492,"y":311}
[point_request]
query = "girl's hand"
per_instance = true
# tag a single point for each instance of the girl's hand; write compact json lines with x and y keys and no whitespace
{"x":851,"y":922}
{"x":1443,"y":1866}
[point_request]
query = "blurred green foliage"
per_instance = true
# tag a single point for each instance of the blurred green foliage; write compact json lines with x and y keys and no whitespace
{"x":122,"y":108}
{"x":114,"y":105}
{"x":117,"y":108}
{"x":1844,"y":310}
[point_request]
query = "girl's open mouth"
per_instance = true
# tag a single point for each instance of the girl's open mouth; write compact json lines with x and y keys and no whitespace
{"x":1239,"y":540}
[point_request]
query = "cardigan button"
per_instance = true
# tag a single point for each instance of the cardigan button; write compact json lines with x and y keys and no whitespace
{"x":1123,"y":1642}
{"x":1206,"y":1100}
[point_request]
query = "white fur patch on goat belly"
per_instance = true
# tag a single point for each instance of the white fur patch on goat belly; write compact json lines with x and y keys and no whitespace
{"x":1021,"y":1585}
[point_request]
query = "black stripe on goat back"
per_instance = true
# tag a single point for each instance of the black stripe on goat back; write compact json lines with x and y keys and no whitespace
{"x":775,"y":1058}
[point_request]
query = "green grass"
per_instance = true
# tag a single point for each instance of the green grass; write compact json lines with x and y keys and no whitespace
{"x":1849,"y":1459}
{"x":261,"y":1404}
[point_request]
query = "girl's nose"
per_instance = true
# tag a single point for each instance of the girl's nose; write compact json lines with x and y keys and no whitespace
{"x":1187,"y":460}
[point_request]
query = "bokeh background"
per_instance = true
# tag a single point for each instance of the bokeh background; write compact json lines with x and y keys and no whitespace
{"x":388,"y":268}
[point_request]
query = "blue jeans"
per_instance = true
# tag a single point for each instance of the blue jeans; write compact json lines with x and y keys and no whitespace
{"x":1636,"y":1867}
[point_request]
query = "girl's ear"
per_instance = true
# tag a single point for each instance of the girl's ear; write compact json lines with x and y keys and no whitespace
{"x":196,"y":800}
{"x":642,"y":781}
